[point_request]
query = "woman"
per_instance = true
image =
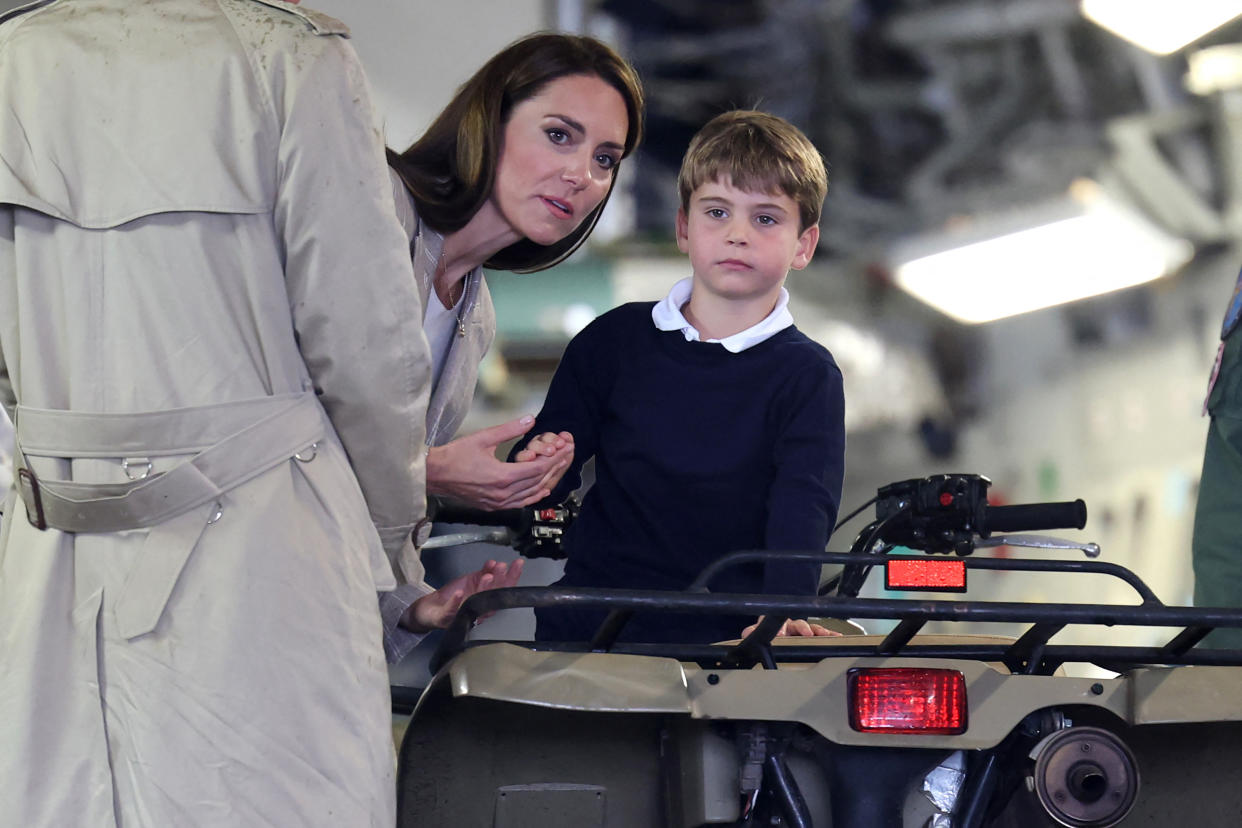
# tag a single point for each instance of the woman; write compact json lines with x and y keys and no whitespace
{"x":218,"y":384}
{"x":512,"y":175}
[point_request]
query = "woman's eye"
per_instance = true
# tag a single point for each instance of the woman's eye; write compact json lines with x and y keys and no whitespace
{"x":605,"y":161}
{"x":558,"y":136}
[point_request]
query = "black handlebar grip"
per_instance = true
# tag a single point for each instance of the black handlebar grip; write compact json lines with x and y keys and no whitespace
{"x":1029,"y":517}
{"x":516,"y":519}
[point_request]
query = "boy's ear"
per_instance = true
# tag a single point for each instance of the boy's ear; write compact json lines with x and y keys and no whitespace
{"x":683,"y":232}
{"x":806,"y":247}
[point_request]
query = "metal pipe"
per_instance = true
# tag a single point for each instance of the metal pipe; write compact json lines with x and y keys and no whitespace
{"x":711,"y":571}
{"x":801,"y":606}
{"x":946,"y":25}
{"x":797,"y":815}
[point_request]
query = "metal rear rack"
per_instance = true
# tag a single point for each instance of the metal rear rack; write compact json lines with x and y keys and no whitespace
{"x":1031,"y":653}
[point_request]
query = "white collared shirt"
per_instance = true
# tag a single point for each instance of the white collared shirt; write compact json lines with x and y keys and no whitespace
{"x":667,"y":316}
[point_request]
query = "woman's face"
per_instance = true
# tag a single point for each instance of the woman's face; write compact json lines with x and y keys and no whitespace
{"x":561,"y":148}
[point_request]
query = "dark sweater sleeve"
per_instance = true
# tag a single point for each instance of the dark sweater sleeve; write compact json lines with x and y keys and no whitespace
{"x":809,"y":459}
{"x":575,"y":403}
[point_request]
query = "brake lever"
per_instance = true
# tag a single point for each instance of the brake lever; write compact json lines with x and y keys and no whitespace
{"x":1091,"y":550}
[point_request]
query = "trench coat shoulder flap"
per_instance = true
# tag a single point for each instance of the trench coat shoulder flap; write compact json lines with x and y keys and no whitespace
{"x":23,"y":8}
{"x":319,"y":23}
{"x":204,"y":137}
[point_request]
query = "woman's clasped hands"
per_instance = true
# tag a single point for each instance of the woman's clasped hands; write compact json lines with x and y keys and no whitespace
{"x":468,"y":470}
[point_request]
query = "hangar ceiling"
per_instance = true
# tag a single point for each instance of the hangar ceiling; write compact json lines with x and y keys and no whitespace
{"x":933,"y":115}
{"x":932,"y":110}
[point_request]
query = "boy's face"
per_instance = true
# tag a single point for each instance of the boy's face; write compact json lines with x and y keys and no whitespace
{"x":742,"y":244}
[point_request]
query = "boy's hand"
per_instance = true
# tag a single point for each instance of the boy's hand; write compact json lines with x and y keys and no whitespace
{"x":794,"y":627}
{"x":468,"y":470}
{"x":437,"y":610}
{"x":544,"y":445}
{"x":557,"y":446}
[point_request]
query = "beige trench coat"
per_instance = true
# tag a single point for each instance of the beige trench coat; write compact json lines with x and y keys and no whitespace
{"x":194,"y":211}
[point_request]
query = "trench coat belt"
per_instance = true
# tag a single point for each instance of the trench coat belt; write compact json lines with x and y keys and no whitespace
{"x":234,"y":443}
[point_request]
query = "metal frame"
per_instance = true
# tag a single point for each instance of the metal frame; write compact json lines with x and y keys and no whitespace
{"x":1031,"y":653}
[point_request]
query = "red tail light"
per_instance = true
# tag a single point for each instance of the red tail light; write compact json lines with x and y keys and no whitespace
{"x":907,"y":700}
{"x":932,"y":574}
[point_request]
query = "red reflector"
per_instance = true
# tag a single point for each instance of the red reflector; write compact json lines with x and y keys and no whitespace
{"x":933,"y":574}
{"x":946,"y":499}
{"x":907,"y":700}
{"x":546,"y":514}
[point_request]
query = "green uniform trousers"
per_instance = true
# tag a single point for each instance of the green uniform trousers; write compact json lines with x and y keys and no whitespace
{"x":1217,"y":544}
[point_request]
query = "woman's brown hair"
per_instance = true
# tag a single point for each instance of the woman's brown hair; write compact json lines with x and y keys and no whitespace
{"x":451,"y":169}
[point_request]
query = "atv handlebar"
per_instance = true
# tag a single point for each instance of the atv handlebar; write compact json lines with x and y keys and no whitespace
{"x":533,"y":532}
{"x":947,"y":512}
{"x":1030,"y":517}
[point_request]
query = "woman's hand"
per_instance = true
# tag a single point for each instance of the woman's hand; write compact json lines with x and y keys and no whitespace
{"x":468,"y":470}
{"x":437,"y":610}
{"x":794,"y":627}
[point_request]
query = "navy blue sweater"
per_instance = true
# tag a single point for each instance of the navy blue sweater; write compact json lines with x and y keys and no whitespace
{"x":698,"y":452}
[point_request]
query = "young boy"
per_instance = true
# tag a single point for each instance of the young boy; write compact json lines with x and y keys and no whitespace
{"x":715,"y":424}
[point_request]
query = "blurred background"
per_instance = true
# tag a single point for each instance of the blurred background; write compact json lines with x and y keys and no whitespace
{"x":1032,"y":231}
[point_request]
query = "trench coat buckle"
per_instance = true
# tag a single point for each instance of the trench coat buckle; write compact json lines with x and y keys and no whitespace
{"x":37,"y":519}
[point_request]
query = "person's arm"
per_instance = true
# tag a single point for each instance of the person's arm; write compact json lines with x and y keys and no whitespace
{"x":809,"y":456}
{"x":574,"y":406}
{"x":399,"y":640}
{"x":354,"y":303}
{"x":355,"y":307}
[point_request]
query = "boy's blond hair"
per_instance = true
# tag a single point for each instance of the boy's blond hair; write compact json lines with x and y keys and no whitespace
{"x":758,"y":152}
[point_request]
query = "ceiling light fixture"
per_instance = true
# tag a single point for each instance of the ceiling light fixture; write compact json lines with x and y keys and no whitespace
{"x":1161,"y":26}
{"x":1083,"y":246}
{"x":1215,"y":69}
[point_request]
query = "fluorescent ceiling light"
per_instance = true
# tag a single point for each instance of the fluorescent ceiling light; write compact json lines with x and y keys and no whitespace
{"x":1161,"y":26}
{"x":1215,"y":69}
{"x":1100,"y":249}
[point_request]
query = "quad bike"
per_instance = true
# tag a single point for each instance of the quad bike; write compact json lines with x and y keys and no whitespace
{"x":902,"y":730}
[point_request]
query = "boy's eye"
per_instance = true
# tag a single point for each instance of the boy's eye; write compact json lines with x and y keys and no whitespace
{"x":766,"y":220}
{"x":715,"y":212}
{"x":557,"y":135}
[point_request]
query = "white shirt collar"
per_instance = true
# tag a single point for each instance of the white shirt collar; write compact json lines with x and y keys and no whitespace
{"x":667,"y":316}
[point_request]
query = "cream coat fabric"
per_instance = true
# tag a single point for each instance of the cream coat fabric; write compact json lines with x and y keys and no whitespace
{"x":451,"y":397}
{"x":476,"y":319}
{"x":194,"y":210}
